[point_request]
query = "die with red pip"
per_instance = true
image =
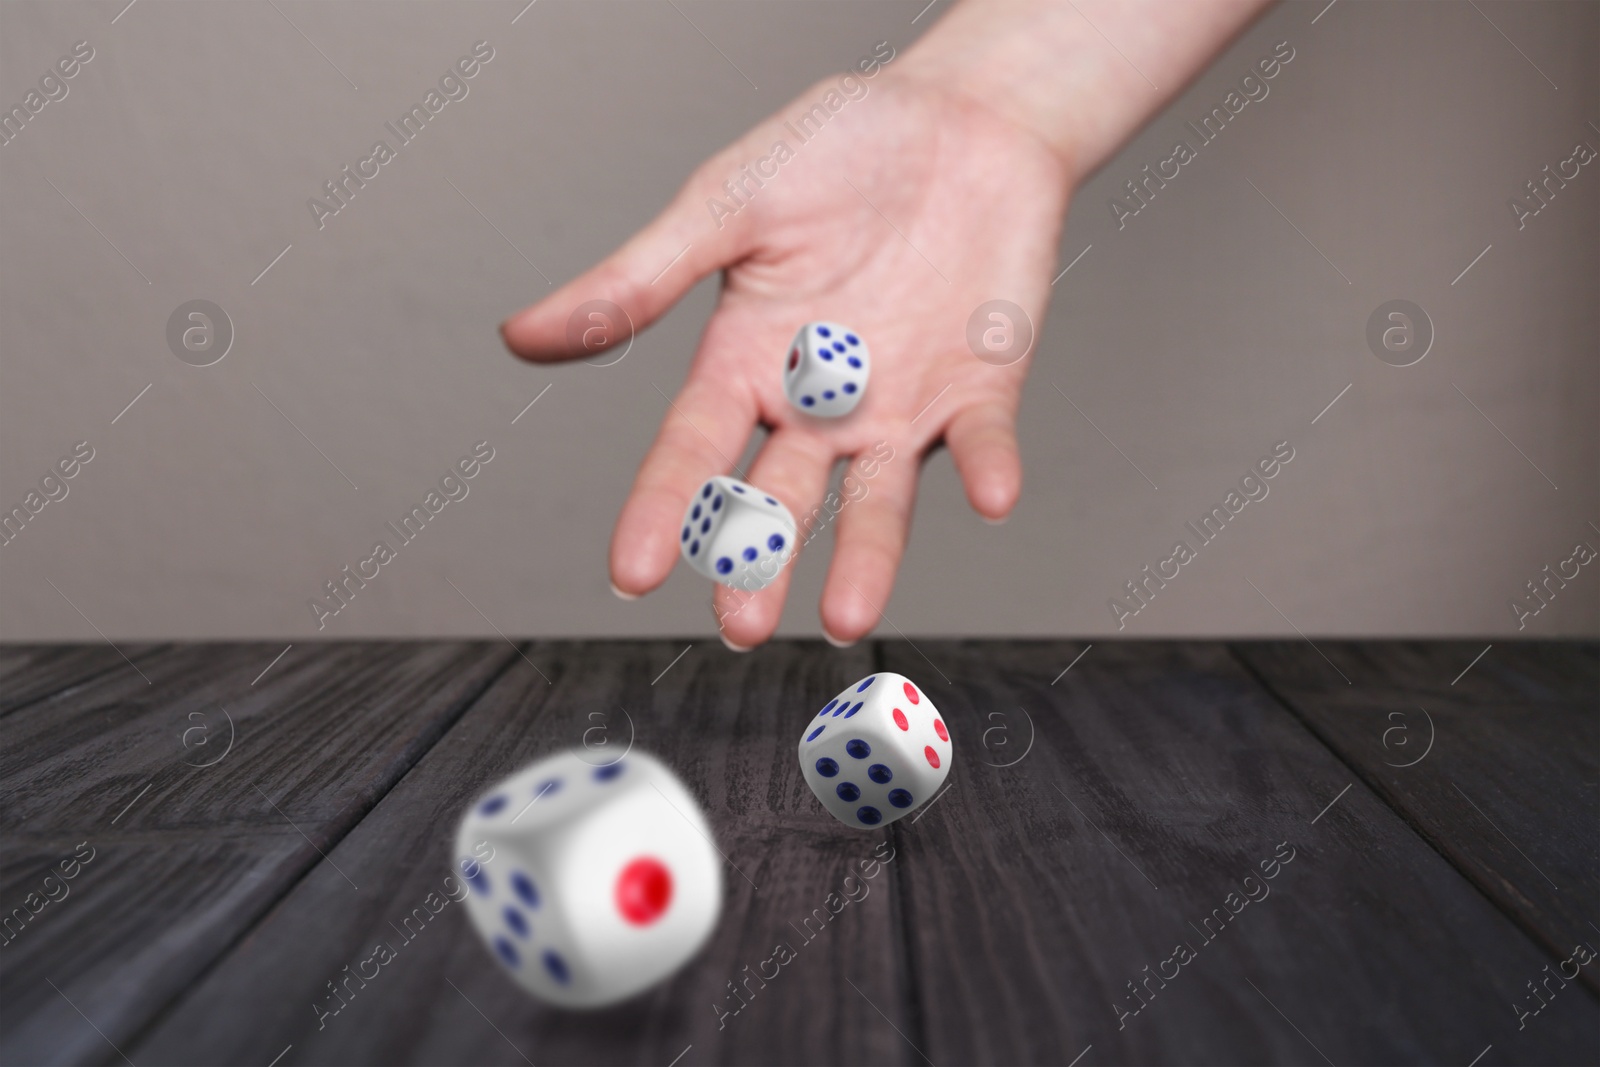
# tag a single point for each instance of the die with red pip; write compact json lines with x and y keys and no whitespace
{"x":876,"y":752}
{"x":601,"y":879}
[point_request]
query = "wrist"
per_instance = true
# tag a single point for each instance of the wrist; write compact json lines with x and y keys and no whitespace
{"x":1066,"y":73}
{"x":993,"y":69}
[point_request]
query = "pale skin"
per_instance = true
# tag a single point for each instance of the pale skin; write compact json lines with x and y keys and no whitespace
{"x":968,"y":144}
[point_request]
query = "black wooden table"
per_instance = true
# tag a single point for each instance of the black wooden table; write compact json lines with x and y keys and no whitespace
{"x":196,"y":844}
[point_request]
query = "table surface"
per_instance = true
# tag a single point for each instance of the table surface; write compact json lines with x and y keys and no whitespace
{"x":241,"y":826}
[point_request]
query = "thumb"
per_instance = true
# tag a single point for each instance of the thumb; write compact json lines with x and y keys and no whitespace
{"x":634,"y":286}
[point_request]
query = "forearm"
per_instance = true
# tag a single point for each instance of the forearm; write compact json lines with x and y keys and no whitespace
{"x":1082,"y":75}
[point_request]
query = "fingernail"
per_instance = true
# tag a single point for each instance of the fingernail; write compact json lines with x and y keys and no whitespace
{"x":731,"y":646}
{"x":1001,"y":521}
{"x":620,"y":595}
{"x":834,"y":641}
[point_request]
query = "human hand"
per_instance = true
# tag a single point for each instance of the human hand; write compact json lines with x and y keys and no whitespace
{"x":908,"y":209}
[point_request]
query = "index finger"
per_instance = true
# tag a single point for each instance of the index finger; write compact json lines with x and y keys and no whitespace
{"x":702,"y":433}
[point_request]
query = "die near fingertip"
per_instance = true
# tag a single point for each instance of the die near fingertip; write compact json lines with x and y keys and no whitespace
{"x":736,"y":534}
{"x":825,"y":370}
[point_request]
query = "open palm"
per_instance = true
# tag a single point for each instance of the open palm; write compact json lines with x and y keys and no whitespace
{"x":909,"y":209}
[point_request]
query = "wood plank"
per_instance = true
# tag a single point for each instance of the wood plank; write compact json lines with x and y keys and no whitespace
{"x":1160,"y":777}
{"x":1506,"y":792}
{"x":729,"y":725}
{"x":31,"y":672}
{"x":189,"y":856}
{"x":148,"y":913}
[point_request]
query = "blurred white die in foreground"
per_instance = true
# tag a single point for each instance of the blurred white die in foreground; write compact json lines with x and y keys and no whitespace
{"x":825,"y":372}
{"x":736,"y":534}
{"x":876,"y":752}
{"x":601,"y":879}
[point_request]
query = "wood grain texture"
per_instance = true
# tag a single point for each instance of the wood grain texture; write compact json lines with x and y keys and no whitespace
{"x":729,"y":725}
{"x":1157,"y":776}
{"x":32,"y":672}
{"x":1161,"y":775}
{"x":189,"y":856}
{"x":1506,"y":791}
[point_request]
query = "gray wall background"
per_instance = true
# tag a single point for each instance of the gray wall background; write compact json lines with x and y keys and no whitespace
{"x":1195,"y":338}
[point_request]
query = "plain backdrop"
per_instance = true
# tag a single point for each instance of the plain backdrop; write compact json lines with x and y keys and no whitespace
{"x":1222,"y":319}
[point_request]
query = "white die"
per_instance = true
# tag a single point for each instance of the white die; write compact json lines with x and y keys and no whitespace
{"x":825,"y":372}
{"x":590,"y":882}
{"x":877,"y":751}
{"x":736,"y":534}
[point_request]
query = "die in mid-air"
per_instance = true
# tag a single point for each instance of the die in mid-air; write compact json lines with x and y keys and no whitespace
{"x":825,"y":372}
{"x":735,"y":534}
{"x":601,"y":879}
{"x":877,"y":751}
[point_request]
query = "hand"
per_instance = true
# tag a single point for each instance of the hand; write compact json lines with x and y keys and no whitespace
{"x":913,"y":205}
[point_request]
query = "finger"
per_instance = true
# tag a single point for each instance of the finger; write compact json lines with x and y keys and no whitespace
{"x":793,"y":466}
{"x":644,"y":277}
{"x":983,"y":442}
{"x":703,"y":432}
{"x":873,"y":526}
